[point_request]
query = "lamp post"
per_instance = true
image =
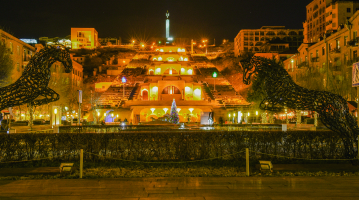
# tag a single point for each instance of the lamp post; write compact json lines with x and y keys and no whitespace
{"x":55,"y":112}
{"x":98,"y":117}
{"x":123,"y":82}
{"x":214,"y":75}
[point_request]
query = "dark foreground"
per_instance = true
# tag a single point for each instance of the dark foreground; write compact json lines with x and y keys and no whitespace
{"x":184,"y":188}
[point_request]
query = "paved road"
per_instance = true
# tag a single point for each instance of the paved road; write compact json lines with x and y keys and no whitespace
{"x":184,"y":188}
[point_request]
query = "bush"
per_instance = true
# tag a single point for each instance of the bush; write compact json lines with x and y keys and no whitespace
{"x":172,"y":146}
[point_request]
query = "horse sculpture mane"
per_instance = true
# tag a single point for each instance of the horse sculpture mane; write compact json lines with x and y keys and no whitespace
{"x":32,"y":86}
{"x":281,"y":91}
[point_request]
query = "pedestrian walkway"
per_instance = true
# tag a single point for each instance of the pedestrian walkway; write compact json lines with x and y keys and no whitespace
{"x":221,"y":188}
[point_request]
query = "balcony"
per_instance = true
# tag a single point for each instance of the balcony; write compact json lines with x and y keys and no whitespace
{"x":302,"y":65}
{"x":335,"y":51}
{"x":315,"y":59}
{"x":353,"y":43}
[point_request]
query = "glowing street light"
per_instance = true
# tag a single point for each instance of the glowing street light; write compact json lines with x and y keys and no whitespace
{"x":55,"y":112}
{"x":214,"y":75}
{"x":123,"y":79}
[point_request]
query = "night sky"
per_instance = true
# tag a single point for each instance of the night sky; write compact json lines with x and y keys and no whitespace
{"x":146,"y":18}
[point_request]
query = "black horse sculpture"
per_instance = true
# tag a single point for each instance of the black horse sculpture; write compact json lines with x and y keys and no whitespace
{"x":32,"y":86}
{"x":281,"y":92}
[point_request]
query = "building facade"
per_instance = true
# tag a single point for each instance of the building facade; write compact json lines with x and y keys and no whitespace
{"x":21,"y":53}
{"x":269,"y":39}
{"x":329,"y":60}
{"x":84,"y":38}
{"x":326,"y":16}
{"x":145,"y":93}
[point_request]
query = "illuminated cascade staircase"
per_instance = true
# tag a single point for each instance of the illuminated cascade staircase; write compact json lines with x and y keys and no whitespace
{"x":207,"y":90}
{"x":134,"y":91}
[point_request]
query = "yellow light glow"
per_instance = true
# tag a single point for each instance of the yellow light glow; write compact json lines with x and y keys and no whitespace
{"x":165,"y":109}
{"x":117,"y":115}
{"x":98,"y":113}
{"x":183,"y":50}
{"x":256,"y":112}
{"x":197,"y":92}
{"x":185,"y":59}
{"x":182,"y":69}
{"x":191,"y":109}
{"x":189,"y":72}
{"x":158,"y":70}
{"x":161,"y":50}
{"x":112,"y":115}
{"x":153,"y":109}
{"x":229,"y":115}
{"x":234,"y":114}
{"x":55,"y":111}
{"x":160,"y":58}
{"x":105,"y":114}
{"x":170,"y":71}
{"x":22,"y":115}
{"x":187,"y":89}
{"x":248,"y":114}
{"x":178,"y":109}
{"x":155,"y":89}
{"x":143,"y":45}
{"x":124,"y":61}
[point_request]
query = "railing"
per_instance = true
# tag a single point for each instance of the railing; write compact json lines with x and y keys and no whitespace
{"x":353,"y":43}
{"x":303,"y":64}
{"x":335,"y":50}
{"x":315,"y":59}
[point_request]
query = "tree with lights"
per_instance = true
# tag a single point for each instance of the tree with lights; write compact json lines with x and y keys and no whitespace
{"x":174,"y":114}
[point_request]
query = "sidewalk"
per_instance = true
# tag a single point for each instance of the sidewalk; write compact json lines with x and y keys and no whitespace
{"x":221,"y":188}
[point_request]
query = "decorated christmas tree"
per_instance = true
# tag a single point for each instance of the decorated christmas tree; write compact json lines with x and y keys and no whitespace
{"x":174,"y":114}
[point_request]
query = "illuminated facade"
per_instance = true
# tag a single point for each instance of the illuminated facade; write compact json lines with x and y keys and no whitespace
{"x":168,"y":73}
{"x":21,"y":53}
{"x":326,"y":16}
{"x":256,"y":40}
{"x":84,"y":38}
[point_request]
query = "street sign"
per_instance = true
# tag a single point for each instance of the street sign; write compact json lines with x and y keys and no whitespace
{"x":80,"y":96}
{"x":355,"y":75}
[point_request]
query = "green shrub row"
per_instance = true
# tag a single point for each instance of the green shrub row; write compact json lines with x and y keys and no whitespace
{"x":171,"y":146}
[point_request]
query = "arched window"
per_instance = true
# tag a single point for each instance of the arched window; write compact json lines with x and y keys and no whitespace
{"x":281,"y":33}
{"x":270,"y":33}
{"x":144,"y":95}
{"x":171,"y":90}
{"x":151,"y":72}
{"x":170,"y":71}
{"x":292,"y":33}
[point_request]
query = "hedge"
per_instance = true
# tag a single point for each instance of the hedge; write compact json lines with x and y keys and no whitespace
{"x":172,"y":146}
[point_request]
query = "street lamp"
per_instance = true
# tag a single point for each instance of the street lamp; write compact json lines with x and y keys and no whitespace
{"x":123,"y":82}
{"x":98,"y":117}
{"x":55,"y":112}
{"x":214,"y":75}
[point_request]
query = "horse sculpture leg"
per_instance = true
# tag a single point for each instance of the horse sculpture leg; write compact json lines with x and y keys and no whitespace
{"x":49,"y":96}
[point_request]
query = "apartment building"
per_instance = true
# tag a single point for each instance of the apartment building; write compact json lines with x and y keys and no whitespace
{"x":326,"y":16}
{"x":21,"y":53}
{"x":269,"y":39}
{"x":84,"y":38}
{"x":331,"y":58}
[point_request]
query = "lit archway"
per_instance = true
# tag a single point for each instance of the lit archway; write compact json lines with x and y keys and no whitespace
{"x":171,"y":90}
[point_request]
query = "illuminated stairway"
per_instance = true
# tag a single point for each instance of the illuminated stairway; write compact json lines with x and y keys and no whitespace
{"x":207,"y":90}
{"x":134,"y":91}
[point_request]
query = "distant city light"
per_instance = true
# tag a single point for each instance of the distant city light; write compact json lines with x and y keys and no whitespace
{"x":29,"y":41}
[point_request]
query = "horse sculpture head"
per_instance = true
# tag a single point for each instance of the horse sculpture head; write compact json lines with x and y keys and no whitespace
{"x":250,"y":67}
{"x":60,"y":54}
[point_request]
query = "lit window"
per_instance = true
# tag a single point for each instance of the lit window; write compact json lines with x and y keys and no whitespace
{"x":197,"y":92}
{"x":189,"y":72}
{"x":187,"y":89}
